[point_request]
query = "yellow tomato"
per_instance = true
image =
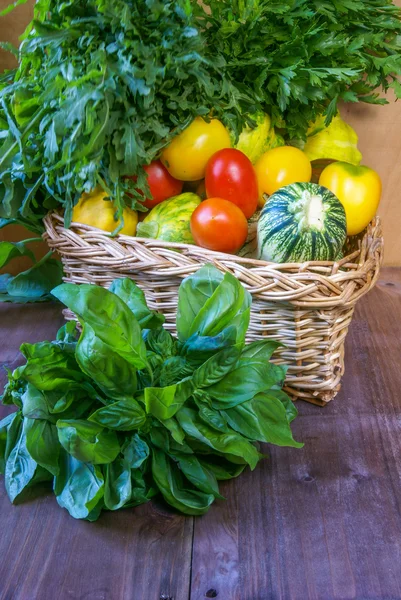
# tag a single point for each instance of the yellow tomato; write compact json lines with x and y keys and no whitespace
{"x":187,"y":155}
{"x":92,"y":209}
{"x":358,"y":189}
{"x":281,"y":166}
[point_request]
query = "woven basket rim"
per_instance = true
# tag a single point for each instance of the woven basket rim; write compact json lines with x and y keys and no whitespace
{"x":373,"y":236}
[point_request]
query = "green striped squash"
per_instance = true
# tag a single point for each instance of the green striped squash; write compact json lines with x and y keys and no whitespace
{"x":301,"y":222}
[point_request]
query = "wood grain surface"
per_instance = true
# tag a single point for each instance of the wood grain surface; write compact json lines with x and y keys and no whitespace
{"x":378,"y":127}
{"x":321,"y":523}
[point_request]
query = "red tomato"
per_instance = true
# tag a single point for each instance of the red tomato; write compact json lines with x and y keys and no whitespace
{"x":162,"y":185}
{"x":219,"y":225}
{"x":230,"y":175}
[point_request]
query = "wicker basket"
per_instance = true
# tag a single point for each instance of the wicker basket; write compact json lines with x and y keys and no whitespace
{"x":308,"y":307}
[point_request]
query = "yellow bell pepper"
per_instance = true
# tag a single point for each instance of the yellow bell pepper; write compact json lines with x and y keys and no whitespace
{"x":93,"y":209}
{"x":359,"y":190}
{"x":338,"y":141}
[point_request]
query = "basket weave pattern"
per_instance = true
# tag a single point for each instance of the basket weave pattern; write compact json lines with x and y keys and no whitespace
{"x":307,"y":307}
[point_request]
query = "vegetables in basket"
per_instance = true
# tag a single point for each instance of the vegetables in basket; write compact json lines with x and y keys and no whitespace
{"x":97,"y":210}
{"x":301,"y":222}
{"x":124,"y":411}
{"x":359,"y":190}
{"x":170,"y":220}
{"x":103,"y":87}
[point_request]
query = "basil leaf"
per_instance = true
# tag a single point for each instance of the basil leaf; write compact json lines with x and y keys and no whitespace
{"x":263,"y":418}
{"x":117,"y":488}
{"x":114,"y":375}
{"x":42,"y":443}
{"x":193,"y":293}
{"x":79,"y":487}
{"x":10,"y":250}
{"x":215,"y":368}
{"x":163,"y":403}
{"x":161,"y":342}
{"x":197,"y":349}
{"x":247,"y":379}
{"x":20,"y":468}
{"x":14,"y":429}
{"x":199,"y":475}
{"x":260,"y":350}
{"x":134,"y":298}
{"x":37,"y":282}
{"x":4,"y":425}
{"x":173,"y":488}
{"x":34,"y":404}
{"x":173,"y":370}
{"x":88,"y":442}
{"x":290,"y":408}
{"x":124,"y":415}
{"x":226,"y":443}
{"x":222,"y":469}
{"x":135,"y":451}
{"x":109,"y":317}
{"x":210,"y":315}
{"x":49,"y":367}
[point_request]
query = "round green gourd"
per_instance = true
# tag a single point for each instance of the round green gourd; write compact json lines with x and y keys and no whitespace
{"x":301,"y":222}
{"x":170,"y":220}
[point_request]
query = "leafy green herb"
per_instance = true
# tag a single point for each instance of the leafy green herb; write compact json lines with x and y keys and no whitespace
{"x":299,"y":59}
{"x":103,"y":85}
{"x":125,"y":412}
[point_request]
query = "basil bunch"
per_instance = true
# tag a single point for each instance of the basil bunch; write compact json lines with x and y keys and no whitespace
{"x":127,"y":411}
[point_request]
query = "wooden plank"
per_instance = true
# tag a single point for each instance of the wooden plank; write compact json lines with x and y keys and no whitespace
{"x":323,"y":522}
{"x":137,"y":554}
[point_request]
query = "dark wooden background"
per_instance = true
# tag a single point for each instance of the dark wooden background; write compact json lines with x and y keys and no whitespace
{"x":319,"y":523}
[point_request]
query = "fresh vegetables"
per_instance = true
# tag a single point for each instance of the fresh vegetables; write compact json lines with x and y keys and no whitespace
{"x":97,"y":210}
{"x":358,"y":188}
{"x":301,"y":222}
{"x":127,"y":411}
{"x":255,"y":140}
{"x":338,"y":141}
{"x":170,"y":220}
{"x":102,"y":88}
{"x":161,"y":184}
{"x":187,"y":155}
{"x":230,"y":175}
{"x":219,"y":225}
{"x":279,"y":167}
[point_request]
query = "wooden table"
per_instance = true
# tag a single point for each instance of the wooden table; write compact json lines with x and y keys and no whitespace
{"x":319,"y":523}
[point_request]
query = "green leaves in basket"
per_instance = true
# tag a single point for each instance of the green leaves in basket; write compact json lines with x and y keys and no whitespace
{"x":122,"y":410}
